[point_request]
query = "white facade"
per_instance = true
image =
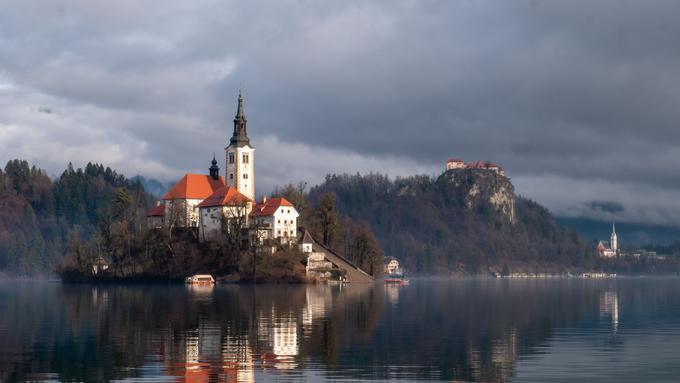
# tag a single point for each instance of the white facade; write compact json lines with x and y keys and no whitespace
{"x":241,"y":169}
{"x":455,"y":164}
{"x":614,"y":242}
{"x":182,"y":212}
{"x":285,"y":222}
{"x":210,"y":227}
{"x":391,"y":266}
{"x":280,"y":222}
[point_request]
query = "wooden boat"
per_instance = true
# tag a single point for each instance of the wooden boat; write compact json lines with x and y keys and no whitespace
{"x":200,"y":279}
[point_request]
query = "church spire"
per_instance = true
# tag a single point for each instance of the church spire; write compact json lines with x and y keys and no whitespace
{"x":214,"y":169}
{"x":240,"y":137}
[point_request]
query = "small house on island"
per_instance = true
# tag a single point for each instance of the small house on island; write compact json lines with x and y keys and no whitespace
{"x":274,"y":218}
{"x":391,"y":265}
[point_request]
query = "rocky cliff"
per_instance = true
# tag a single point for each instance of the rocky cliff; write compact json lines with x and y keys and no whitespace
{"x":477,"y":187}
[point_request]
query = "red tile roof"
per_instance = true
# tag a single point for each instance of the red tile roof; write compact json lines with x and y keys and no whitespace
{"x":455,"y":160}
{"x":225,"y":196}
{"x":156,"y":211}
{"x":269,"y":206}
{"x":194,"y":186}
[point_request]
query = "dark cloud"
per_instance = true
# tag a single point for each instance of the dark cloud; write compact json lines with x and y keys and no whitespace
{"x":607,"y":207}
{"x":582,"y":92}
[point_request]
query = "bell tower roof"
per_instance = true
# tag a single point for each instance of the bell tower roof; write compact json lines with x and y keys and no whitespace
{"x":240,"y":136}
{"x":214,"y":169}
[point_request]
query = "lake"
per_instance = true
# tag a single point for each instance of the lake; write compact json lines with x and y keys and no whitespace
{"x":551,"y":330}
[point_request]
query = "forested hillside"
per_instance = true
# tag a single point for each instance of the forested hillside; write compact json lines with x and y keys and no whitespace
{"x":467,"y":221}
{"x":38,"y":215}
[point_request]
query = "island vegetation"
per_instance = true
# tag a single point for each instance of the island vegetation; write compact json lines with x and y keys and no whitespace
{"x":459,"y":223}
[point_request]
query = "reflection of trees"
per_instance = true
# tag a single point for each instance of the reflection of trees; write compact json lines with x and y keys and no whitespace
{"x":463,"y":330}
{"x":103,"y":333}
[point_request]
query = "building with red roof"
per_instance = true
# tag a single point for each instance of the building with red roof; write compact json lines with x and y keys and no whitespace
{"x":154,"y":217}
{"x":274,"y":218}
{"x":225,"y":205}
{"x":181,"y":201}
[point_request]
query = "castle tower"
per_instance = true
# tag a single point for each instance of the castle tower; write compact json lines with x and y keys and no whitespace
{"x":613,"y":240}
{"x":240,"y":156}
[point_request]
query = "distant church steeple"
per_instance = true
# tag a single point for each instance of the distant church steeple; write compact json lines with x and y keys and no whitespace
{"x":240,"y":136}
{"x":214,"y":169}
{"x":613,"y":240}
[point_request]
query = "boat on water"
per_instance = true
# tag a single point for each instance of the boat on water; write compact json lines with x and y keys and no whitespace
{"x":200,"y":279}
{"x":396,"y":277}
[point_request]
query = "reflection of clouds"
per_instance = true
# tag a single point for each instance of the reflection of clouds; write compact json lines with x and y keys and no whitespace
{"x":609,"y":307}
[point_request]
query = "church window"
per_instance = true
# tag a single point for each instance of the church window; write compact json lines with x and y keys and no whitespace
{"x":245,"y":176}
{"x":231,"y":158}
{"x":245,"y":158}
{"x":231,"y":176}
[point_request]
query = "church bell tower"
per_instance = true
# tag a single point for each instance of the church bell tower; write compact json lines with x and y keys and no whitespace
{"x":240,"y":156}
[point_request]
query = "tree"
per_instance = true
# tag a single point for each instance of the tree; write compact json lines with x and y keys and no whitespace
{"x":328,"y":218}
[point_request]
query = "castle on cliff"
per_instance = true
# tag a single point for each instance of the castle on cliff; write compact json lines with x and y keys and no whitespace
{"x":456,"y":163}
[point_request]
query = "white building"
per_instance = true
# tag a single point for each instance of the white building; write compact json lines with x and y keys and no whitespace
{"x":274,"y":218}
{"x":455,"y":163}
{"x":391,"y":265}
{"x":240,"y":156}
{"x":226,"y":206}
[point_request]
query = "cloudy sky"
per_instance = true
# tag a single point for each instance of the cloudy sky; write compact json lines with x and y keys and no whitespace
{"x":580,"y":100}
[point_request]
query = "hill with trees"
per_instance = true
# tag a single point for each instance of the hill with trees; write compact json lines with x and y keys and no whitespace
{"x":465,"y":221}
{"x":40,"y":216}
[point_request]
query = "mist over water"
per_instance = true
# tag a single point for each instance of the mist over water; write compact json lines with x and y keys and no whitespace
{"x":467,"y":330}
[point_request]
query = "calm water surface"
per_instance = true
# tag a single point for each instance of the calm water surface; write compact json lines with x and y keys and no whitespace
{"x":624,"y":330}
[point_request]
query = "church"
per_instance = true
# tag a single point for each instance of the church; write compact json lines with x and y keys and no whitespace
{"x":213,"y":205}
{"x":612,"y":250}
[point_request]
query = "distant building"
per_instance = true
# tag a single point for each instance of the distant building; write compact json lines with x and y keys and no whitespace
{"x":155,"y":216}
{"x":99,"y":266}
{"x":307,"y":243}
{"x":456,"y":163}
{"x":274,"y":218}
{"x":609,"y":249}
{"x":391,"y":265}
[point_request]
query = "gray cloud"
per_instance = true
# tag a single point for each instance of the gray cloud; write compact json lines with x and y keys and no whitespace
{"x":582,"y":92}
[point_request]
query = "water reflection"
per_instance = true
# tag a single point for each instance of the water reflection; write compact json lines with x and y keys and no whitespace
{"x":469,"y":330}
{"x":609,"y":308}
